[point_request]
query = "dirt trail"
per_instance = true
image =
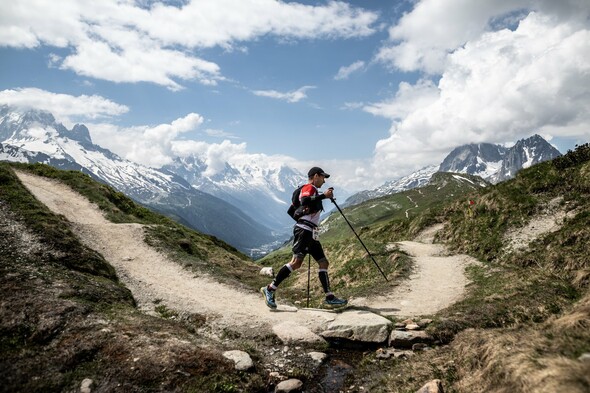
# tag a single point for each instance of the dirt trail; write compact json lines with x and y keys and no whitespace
{"x":437,"y":281}
{"x":150,"y":275}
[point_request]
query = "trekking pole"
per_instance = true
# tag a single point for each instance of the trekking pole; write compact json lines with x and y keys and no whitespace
{"x":308,"y":275}
{"x":358,"y":237}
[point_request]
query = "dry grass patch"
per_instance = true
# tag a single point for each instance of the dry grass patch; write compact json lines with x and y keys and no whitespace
{"x":519,"y":360}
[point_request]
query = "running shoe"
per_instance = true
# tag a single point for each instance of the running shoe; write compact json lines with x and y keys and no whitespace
{"x":269,"y":297}
{"x":335,"y":302}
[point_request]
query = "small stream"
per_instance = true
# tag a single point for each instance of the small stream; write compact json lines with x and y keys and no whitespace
{"x":342,"y":362}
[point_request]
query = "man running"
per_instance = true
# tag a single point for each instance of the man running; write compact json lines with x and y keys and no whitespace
{"x":306,"y":240}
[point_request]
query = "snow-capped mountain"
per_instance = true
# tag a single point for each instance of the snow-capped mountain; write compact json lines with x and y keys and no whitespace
{"x":523,"y":154}
{"x":496,"y":163}
{"x":417,"y":179}
{"x":493,"y":163}
{"x":35,"y":136}
{"x":261,"y":190}
{"x":481,"y":159}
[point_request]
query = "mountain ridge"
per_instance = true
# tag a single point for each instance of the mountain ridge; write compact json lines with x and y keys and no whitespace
{"x":491,"y":162}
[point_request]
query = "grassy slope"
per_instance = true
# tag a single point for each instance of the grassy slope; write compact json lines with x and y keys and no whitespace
{"x":526,"y":317}
{"x":65,"y":317}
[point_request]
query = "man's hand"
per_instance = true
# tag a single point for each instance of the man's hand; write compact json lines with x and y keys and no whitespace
{"x":329,"y":193}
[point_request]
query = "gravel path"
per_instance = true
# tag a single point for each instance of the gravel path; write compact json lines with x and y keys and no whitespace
{"x":437,"y":281}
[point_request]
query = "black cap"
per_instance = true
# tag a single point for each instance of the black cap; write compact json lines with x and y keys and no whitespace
{"x":317,"y":170}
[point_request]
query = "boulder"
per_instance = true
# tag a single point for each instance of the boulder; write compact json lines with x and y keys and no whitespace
{"x":241,"y":359}
{"x":267,"y":271}
{"x":400,"y":339}
{"x":362,"y":326}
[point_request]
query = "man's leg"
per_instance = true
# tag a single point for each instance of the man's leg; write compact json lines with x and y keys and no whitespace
{"x":301,"y":238}
{"x":319,"y":256}
{"x":323,"y":275}
{"x":285,"y":271}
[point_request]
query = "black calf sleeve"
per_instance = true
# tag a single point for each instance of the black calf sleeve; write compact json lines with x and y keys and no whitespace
{"x":281,"y":275}
{"x":325,"y":280}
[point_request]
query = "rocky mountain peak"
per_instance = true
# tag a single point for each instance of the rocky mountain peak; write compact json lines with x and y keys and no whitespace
{"x":481,"y":159}
{"x":525,"y":153}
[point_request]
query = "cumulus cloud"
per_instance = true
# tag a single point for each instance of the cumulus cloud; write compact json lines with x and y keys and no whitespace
{"x":409,"y":98}
{"x":62,"y":106}
{"x":422,"y":38}
{"x":217,"y":155}
{"x":494,"y":86}
{"x":153,"y":146}
{"x":122,"y":41}
{"x":345,"y":72}
{"x":292,"y":96}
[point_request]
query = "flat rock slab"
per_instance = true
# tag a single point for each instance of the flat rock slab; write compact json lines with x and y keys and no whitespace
{"x":361,"y":326}
{"x":292,"y":333}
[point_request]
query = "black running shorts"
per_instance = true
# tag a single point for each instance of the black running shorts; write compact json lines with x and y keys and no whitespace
{"x":304,"y":244}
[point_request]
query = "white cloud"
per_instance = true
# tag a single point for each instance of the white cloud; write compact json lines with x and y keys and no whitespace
{"x":423,"y":38}
{"x":500,"y":86}
{"x":149,"y":145}
{"x":121,"y":41}
{"x":345,"y":72}
{"x":216,"y":155}
{"x":408,"y":99}
{"x":62,"y":106}
{"x":292,"y":96}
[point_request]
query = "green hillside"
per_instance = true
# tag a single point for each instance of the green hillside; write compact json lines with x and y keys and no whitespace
{"x":525,"y":320}
{"x":407,"y":205}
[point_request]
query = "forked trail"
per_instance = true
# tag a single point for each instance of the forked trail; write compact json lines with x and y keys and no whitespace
{"x":437,"y":282}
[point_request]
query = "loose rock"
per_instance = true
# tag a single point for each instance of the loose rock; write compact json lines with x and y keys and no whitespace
{"x":289,"y":386}
{"x":241,"y":359}
{"x":86,"y":385}
{"x":318,"y":357}
{"x":399,"y":339}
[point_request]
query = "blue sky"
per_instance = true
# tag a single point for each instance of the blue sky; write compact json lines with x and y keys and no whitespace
{"x":370,"y":90}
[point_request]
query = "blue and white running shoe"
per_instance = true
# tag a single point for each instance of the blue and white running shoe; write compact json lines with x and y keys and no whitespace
{"x":269,"y":297}
{"x":335,"y":302}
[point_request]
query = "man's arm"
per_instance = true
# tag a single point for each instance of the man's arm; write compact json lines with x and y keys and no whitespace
{"x":310,"y":195}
